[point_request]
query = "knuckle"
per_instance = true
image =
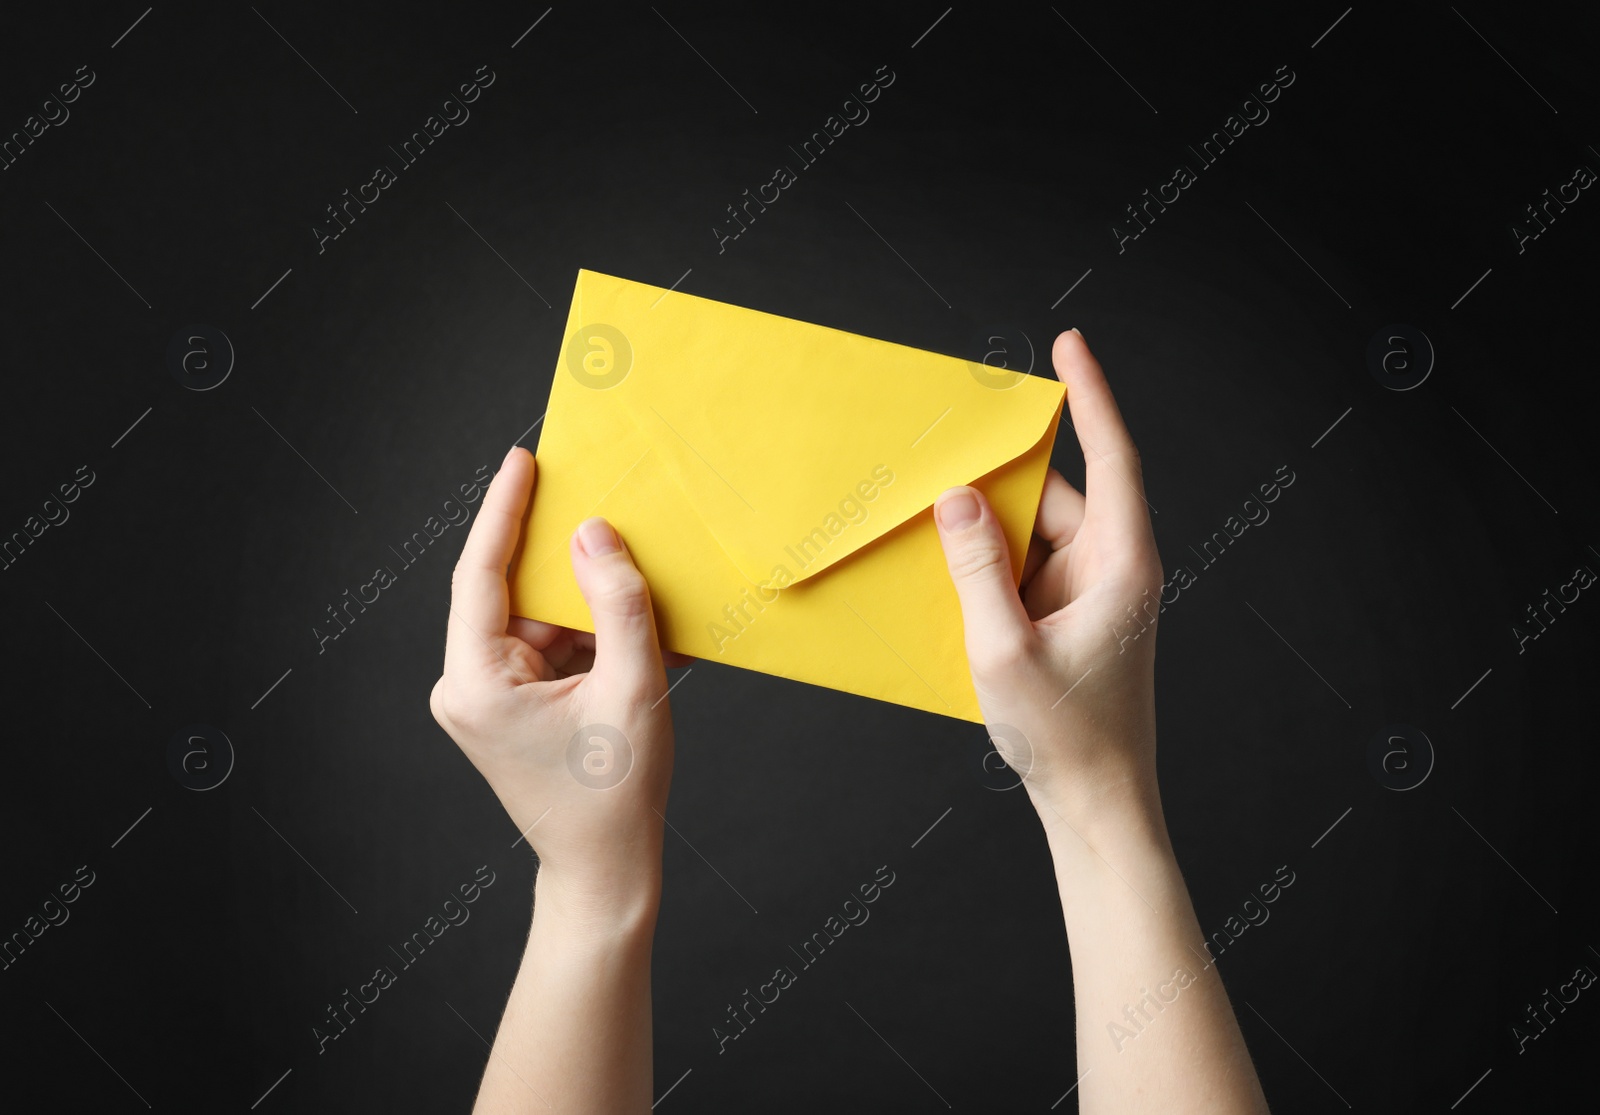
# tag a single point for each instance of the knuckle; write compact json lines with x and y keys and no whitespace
{"x":463,"y":721}
{"x":979,"y":560}
{"x":1127,"y":455}
{"x":463,"y":716}
{"x":1007,"y":653}
{"x":624,"y":595}
{"x":438,"y":704}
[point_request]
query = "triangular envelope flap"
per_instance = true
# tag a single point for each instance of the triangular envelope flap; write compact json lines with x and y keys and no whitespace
{"x":795,"y":443}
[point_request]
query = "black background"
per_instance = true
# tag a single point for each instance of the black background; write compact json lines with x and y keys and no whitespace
{"x":407,"y":355}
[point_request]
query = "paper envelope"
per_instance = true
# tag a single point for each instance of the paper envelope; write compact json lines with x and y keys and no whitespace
{"x":775,"y":483}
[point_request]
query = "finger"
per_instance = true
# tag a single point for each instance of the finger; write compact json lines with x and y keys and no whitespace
{"x":480,"y":600}
{"x":536,"y":633}
{"x":1038,"y":553}
{"x":575,"y":659}
{"x":997,"y":626}
{"x":626,"y":651}
{"x":556,"y":646}
{"x":1060,"y":511}
{"x":1113,"y":476}
{"x":557,"y":643}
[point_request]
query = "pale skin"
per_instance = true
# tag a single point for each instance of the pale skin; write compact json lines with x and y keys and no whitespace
{"x":576,"y":1034}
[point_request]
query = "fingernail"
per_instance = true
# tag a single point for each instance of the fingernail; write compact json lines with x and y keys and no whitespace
{"x":509,"y":454}
{"x":1078,"y":331}
{"x":596,"y":537}
{"x":957,"y":510}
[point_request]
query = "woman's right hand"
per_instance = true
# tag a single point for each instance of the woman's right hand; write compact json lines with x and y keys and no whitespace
{"x":1064,"y":667}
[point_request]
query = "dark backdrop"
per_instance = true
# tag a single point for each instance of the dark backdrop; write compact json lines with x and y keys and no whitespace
{"x":1437,"y":893}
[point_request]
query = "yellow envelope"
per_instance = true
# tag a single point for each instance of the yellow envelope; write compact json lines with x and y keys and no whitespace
{"x":775,"y":480}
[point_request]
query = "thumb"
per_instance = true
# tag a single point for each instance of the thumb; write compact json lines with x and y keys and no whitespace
{"x":625,"y":648}
{"x":997,"y":626}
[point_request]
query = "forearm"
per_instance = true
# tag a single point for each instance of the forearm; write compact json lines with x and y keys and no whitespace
{"x":576,"y":1033}
{"x":1155,"y":1029}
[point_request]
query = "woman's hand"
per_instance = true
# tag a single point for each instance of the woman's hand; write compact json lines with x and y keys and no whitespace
{"x":571,"y":730}
{"x":1065,"y":674}
{"x":1065,"y":671}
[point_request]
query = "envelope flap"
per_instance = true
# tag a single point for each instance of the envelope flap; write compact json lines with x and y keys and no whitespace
{"x":795,"y":444}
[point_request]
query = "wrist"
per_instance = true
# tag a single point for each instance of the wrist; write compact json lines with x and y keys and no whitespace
{"x":1120,"y":812}
{"x":604,"y":900}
